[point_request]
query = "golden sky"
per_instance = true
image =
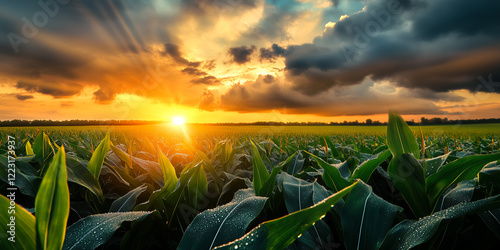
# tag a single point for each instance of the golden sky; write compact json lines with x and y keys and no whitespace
{"x":246,"y":61}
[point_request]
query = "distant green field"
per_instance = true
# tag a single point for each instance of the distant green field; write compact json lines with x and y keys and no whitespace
{"x":221,"y":130}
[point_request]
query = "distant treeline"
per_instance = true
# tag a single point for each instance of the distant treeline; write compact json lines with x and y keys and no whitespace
{"x":368,"y":122}
{"x":36,"y":123}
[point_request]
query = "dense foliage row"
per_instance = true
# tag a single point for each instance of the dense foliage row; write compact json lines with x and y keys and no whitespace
{"x":90,"y":189}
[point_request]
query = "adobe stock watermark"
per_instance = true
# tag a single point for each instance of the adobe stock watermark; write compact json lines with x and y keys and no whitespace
{"x":11,"y":188}
{"x":363,"y":37}
{"x":30,"y":27}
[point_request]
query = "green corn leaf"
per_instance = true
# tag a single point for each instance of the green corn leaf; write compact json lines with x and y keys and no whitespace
{"x":149,"y":145}
{"x":144,"y":233}
{"x":434,"y":164}
{"x":269,"y":184}
{"x":296,"y":164}
{"x":43,"y":150}
{"x":155,"y":201}
{"x":281,"y":232}
{"x":456,"y":171}
{"x":197,"y":185}
{"x":298,"y":195}
{"x":95,"y":230}
{"x":122,"y":155}
{"x":260,"y":173}
{"x":169,"y":180}
{"x":408,"y":177}
{"x":28,"y":184}
{"x":127,"y":202}
{"x":29,"y":149}
{"x":332,"y":176}
{"x":24,"y":164}
{"x":490,"y":175}
{"x":153,"y":168}
{"x":400,"y":137}
{"x":173,"y":199}
{"x":78,"y":173}
{"x":52,"y":204}
{"x":233,"y":184}
{"x":461,"y":193}
{"x":97,"y":159}
{"x":25,"y":234}
{"x":169,"y":175}
{"x":320,"y":193}
{"x":366,"y":218}
{"x":223,"y":224}
{"x":411,"y":233}
{"x":492,"y":218}
{"x":365,"y":170}
{"x":333,"y":150}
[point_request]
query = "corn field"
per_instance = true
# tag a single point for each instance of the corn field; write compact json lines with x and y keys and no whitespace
{"x":109,"y":189}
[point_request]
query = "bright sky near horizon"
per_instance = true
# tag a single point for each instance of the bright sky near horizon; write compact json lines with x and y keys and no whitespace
{"x":246,"y":61}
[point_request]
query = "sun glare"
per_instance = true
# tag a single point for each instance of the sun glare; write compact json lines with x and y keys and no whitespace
{"x":179,"y":121}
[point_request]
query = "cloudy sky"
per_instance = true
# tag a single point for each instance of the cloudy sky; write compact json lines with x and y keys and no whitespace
{"x":249,"y":60}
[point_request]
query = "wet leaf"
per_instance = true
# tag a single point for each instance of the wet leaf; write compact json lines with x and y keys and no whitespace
{"x":127,"y":202}
{"x":281,"y":232}
{"x":94,"y":230}
{"x":411,"y":233}
{"x":223,"y":224}
{"x":366,"y":218}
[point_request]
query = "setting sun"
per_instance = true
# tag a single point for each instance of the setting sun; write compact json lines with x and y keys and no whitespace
{"x":178,"y":121}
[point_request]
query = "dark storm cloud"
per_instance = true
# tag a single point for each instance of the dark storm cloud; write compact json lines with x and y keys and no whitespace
{"x":207,"y":101}
{"x":209,"y":65}
{"x":37,"y":60}
{"x":272,"y":53}
{"x":267,"y":54}
{"x":58,"y":57}
{"x":361,"y":99}
{"x":203,"y":77}
{"x":208,"y":80}
{"x":264,"y":94}
{"x":23,"y":97}
{"x":104,"y":95}
{"x":241,"y":55}
{"x":194,"y":72}
{"x":437,"y":45}
{"x":173,"y":51}
{"x":55,"y":89}
{"x":464,"y":18}
{"x":268,"y":79}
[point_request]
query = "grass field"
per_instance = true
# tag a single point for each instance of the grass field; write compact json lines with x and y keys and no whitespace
{"x":251,"y":187}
